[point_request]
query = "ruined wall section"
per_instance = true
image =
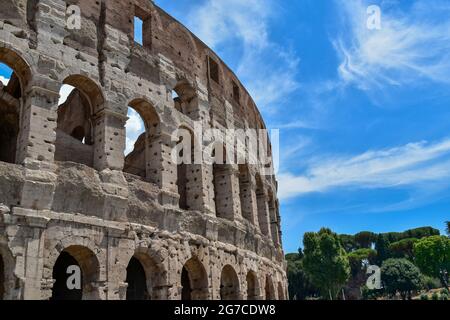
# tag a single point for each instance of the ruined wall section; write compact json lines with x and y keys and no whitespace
{"x":51,"y":204}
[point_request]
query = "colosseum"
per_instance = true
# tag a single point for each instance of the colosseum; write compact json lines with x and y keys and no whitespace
{"x":138,"y":226}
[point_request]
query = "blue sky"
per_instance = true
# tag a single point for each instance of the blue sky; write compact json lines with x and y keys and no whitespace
{"x":364,"y":114}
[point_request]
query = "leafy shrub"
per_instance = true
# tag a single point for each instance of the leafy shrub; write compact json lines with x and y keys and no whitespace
{"x":435,"y":296}
{"x":430,"y":283}
{"x":444,"y":297}
{"x":423,"y":297}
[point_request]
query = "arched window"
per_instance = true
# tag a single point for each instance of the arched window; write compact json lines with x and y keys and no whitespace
{"x":229,"y":284}
{"x":194,"y":281}
{"x":269,"y":288}
{"x":143,"y":145}
{"x":135,"y":144}
{"x":14,"y":78}
{"x":137,"y":281}
{"x":78,"y":268}
{"x":80,"y":98}
{"x":252,"y":286}
{"x":185,"y":99}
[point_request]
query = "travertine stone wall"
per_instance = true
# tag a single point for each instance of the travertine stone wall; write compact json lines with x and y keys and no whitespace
{"x":66,"y":186}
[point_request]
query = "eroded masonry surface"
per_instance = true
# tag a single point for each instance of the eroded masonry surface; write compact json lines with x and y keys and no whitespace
{"x":137,"y":226}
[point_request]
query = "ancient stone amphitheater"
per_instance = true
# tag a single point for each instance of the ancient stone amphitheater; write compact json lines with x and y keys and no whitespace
{"x":137,"y":226}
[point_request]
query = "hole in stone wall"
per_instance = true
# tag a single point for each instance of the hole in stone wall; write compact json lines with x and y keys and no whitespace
{"x":142,"y":150}
{"x":185,"y":98}
{"x":236,"y":92}
{"x":138,"y":30}
{"x":213,"y":70}
{"x":74,"y":132}
{"x":137,"y":281}
{"x":10,"y":94}
{"x":135,"y":144}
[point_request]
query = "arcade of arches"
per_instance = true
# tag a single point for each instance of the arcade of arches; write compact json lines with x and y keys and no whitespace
{"x":131,"y":226}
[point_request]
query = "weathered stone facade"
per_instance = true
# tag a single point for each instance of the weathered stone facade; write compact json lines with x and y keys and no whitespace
{"x":154,"y":229}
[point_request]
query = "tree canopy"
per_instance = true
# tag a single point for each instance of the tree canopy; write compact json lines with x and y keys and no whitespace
{"x":432,"y":255}
{"x":400,"y":276}
{"x":325,"y":261}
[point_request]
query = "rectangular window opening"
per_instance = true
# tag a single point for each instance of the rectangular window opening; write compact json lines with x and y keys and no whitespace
{"x":213,"y":70}
{"x":138,"y":30}
{"x":236,"y":92}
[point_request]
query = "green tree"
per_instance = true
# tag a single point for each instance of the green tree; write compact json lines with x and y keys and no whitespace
{"x":432,"y":256}
{"x":300,"y":286}
{"x":325,"y":262}
{"x":403,"y":248}
{"x":400,"y":276}
{"x":348,"y":242}
{"x":358,"y":257}
{"x":382,"y":247}
{"x":365,"y":239}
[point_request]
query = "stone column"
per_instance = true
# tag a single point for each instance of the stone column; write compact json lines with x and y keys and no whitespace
{"x":109,"y":140}
{"x":33,"y":262}
{"x":248,"y":199}
{"x":164,"y":174}
{"x":263,"y":212}
{"x":36,"y":147}
{"x":226,"y":184}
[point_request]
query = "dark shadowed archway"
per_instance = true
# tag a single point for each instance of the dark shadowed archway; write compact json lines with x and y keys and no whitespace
{"x":71,"y":260}
{"x":252,"y":286}
{"x":229,"y":284}
{"x":137,"y":281}
{"x":194,"y":281}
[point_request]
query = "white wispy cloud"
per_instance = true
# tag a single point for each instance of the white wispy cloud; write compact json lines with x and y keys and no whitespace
{"x":408,"y":48}
{"x":407,"y":165}
{"x":4,"y":80}
{"x":245,"y":26}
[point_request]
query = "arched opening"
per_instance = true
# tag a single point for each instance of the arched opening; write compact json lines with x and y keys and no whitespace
{"x":194,"y":281}
{"x":75,"y":274}
{"x":245,"y":193}
{"x":269,"y":289}
{"x":281,"y":292}
{"x":137,"y":281}
{"x":14,"y":78}
{"x":229,"y":284}
{"x":185,"y":164}
{"x":274,"y":229}
{"x":2,"y":279}
{"x":261,"y":202}
{"x":252,"y":286}
{"x":61,"y":274}
{"x":143,"y":141}
{"x":185,"y":99}
{"x":80,"y":98}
